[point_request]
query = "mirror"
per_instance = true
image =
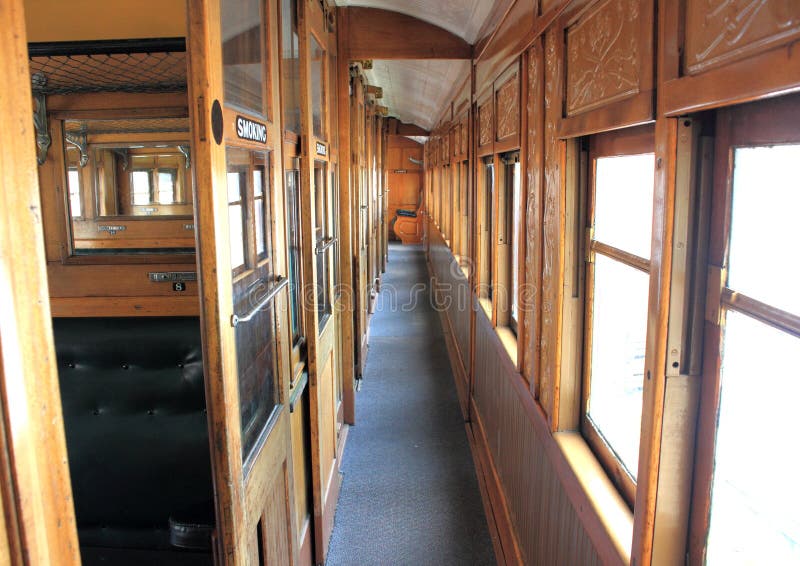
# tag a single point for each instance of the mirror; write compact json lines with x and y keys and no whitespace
{"x":130,"y":185}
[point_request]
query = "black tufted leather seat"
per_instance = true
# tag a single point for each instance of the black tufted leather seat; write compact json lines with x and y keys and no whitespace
{"x":137,"y":435}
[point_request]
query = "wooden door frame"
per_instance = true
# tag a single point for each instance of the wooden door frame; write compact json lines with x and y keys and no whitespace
{"x":38,"y":519}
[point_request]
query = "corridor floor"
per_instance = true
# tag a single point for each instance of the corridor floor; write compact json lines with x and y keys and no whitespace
{"x":410,"y":495}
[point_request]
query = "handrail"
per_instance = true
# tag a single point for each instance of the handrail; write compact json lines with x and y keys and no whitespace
{"x":330,"y":241}
{"x":280,"y":283}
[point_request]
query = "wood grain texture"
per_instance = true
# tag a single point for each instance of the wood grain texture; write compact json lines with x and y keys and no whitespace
{"x":35,"y":479}
{"x":602,"y":56}
{"x":722,"y":31}
{"x":382,"y":34}
{"x":507,"y":97}
{"x":553,"y":243}
{"x":485,"y":124}
{"x":530,"y":298}
{"x":546,"y":525}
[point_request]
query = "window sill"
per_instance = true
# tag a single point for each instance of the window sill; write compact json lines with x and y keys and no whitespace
{"x":608,"y":504}
{"x":509,"y":341}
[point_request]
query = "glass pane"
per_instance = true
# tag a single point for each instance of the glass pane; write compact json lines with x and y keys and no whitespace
{"x":261,"y":245}
{"x":262,"y":217}
{"x":619,"y":328}
{"x":515,"y":232}
{"x":623,"y":214}
{"x":256,"y":365}
{"x":290,"y":66}
{"x":321,"y":232}
{"x":754,"y":499}
{"x":489,"y":223}
{"x":142,"y":186}
{"x":766,"y":198}
{"x":238,"y":164}
{"x":293,"y":215}
{"x":317,"y":86}
{"x":242,"y":53}
{"x":74,"y":182}
{"x":166,"y":185}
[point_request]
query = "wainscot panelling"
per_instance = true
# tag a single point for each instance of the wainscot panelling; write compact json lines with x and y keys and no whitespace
{"x":547,"y":527}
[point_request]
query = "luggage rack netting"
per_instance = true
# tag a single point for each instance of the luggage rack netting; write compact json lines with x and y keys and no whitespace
{"x":136,"y":66}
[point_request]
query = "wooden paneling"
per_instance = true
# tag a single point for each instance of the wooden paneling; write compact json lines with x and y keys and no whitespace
{"x":553,"y":234}
{"x":383,"y":34}
{"x":547,"y":527}
{"x":530,"y":296}
{"x":39,"y":518}
{"x":608,"y":66}
{"x":721,"y":31}
{"x":485,"y":124}
{"x":507,"y":104}
{"x":602,"y":56}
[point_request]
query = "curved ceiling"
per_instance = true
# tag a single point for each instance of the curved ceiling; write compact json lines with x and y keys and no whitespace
{"x":464,"y":18}
{"x":415,"y":91}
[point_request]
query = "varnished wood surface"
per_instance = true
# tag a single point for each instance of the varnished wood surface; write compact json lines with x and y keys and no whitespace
{"x":381,"y":34}
{"x":39,"y":520}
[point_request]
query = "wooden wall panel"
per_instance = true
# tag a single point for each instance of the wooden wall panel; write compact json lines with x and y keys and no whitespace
{"x":721,"y":31}
{"x":602,"y":56}
{"x":507,"y":97}
{"x":531,"y":292}
{"x":547,"y":527}
{"x":485,"y":124}
{"x":553,"y":233}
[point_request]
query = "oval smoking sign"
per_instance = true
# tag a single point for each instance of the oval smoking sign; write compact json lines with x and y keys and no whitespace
{"x":249,"y":130}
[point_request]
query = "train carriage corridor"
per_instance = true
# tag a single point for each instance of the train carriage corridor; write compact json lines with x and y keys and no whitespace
{"x":410,"y":493}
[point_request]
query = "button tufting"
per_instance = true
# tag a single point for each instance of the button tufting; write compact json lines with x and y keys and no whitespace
{"x":96,"y":412}
{"x":125,"y":366}
{"x":151,"y":412}
{"x":71,"y":365}
{"x":180,"y":364}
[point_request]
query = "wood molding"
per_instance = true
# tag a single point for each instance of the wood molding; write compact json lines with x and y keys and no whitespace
{"x":374,"y":33}
{"x":397,"y":128}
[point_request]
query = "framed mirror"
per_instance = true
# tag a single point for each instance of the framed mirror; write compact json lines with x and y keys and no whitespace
{"x":130,"y":185}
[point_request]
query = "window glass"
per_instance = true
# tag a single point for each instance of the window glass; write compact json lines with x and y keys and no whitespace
{"x":290,"y":66}
{"x":515,"y":214}
{"x":293,"y":217}
{"x":238,"y":164}
{"x":624,"y":201}
{"x":754,"y":499}
{"x":321,"y":233}
{"x":142,"y":182}
{"x":74,"y":182}
{"x":619,"y":328}
{"x":243,"y":53}
{"x":261,"y":206}
{"x":489,"y":244}
{"x":317,"y":87}
{"x":765,"y":204}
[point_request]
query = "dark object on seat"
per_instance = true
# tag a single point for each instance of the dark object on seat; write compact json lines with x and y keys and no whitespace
{"x":409,"y":213}
{"x":133,"y":398}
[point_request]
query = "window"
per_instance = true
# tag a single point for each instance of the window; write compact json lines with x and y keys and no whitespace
{"x":321,"y":236}
{"x":617,"y":284}
{"x":290,"y":66}
{"x":317,"y":87}
{"x":748,"y":471}
{"x":487,"y":228}
{"x":295,"y":248}
{"x":512,"y":213}
{"x":251,"y":233}
{"x":464,"y":198}
{"x":243,"y":54}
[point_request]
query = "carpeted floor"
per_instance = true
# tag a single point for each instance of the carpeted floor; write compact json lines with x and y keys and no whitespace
{"x":410,"y":495}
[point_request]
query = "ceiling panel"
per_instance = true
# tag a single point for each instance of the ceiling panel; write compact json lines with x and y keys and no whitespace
{"x":415,"y":91}
{"x":464,"y":18}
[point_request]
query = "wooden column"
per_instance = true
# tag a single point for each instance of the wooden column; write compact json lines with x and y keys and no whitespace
{"x":38,"y":516}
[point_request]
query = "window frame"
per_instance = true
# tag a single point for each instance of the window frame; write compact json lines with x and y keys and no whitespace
{"x":764,"y":123}
{"x":631,"y":141}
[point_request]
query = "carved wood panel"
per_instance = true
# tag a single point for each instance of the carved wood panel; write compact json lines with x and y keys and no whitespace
{"x":718,"y":31}
{"x":485,"y":124}
{"x":603,"y":55}
{"x":507,"y":97}
{"x":530,"y":292}
{"x":552,"y":229}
